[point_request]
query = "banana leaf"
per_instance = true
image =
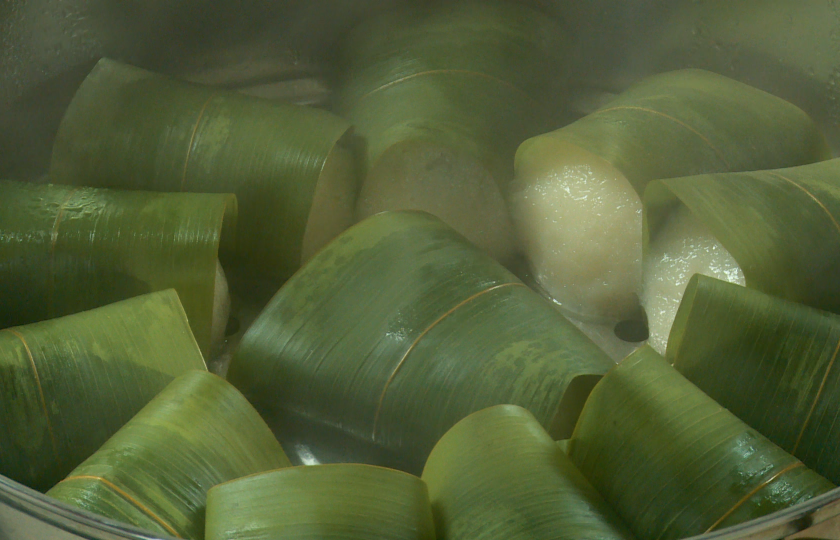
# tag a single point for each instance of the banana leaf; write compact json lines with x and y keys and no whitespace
{"x":781,"y":226}
{"x":400,"y":328}
{"x":769,"y":361}
{"x":68,"y":384}
{"x":498,"y":475}
{"x":339,"y":501}
{"x":129,"y":128}
{"x":672,"y":462}
{"x":64,"y":250}
{"x":156,"y":471}
{"x":451,"y":88}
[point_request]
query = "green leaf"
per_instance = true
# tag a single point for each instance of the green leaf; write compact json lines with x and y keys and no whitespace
{"x":498,"y":475}
{"x":347,"y":501}
{"x":132,"y":129}
{"x":64,"y":250}
{"x":673,"y":462}
{"x":473,"y":76}
{"x":685,"y":123}
{"x":780,"y":226}
{"x":400,"y":328}
{"x":769,"y":361}
{"x":156,"y":471}
{"x":68,"y":384}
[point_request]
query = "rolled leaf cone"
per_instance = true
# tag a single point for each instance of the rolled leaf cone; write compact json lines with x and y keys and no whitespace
{"x":769,"y":361}
{"x":576,"y":200}
{"x":68,"y":384}
{"x":67,"y":249}
{"x":443,"y":94}
{"x":400,"y":328}
{"x":781,"y":226}
{"x":132,"y":129}
{"x":672,"y":462}
{"x":498,"y":475}
{"x":156,"y":471}
{"x":339,"y":501}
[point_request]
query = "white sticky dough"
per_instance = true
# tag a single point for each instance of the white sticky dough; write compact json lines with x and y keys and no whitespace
{"x":580,"y":223}
{"x":221,"y":309}
{"x":454,"y":187}
{"x":681,"y":248}
{"x":333,"y":203}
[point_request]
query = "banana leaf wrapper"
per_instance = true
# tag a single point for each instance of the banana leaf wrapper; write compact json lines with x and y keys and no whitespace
{"x":66,"y":249}
{"x":498,"y":475}
{"x":781,"y":226}
{"x":470,"y":75}
{"x":684,"y":123}
{"x":339,"y":501}
{"x":68,"y":384}
{"x":129,"y":128}
{"x":769,"y":361}
{"x":400,"y":328}
{"x":156,"y":471}
{"x":672,"y":462}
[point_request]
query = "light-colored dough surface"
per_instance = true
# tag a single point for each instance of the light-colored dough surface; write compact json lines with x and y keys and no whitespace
{"x":580,"y":224}
{"x":454,"y":187}
{"x":681,"y":248}
{"x":333,"y":203}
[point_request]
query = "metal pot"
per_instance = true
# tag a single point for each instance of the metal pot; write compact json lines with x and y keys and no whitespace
{"x":283,"y":49}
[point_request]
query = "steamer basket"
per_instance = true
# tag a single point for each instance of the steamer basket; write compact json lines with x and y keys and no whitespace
{"x":283,"y":50}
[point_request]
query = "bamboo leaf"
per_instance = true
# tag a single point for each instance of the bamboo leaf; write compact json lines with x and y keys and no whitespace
{"x":68,"y":384}
{"x":132,"y":129}
{"x":64,"y":250}
{"x":498,"y":475}
{"x":689,"y":122}
{"x":674,"y":463}
{"x":769,"y":361}
{"x":443,"y":94}
{"x":780,"y":226}
{"x":399,"y":328}
{"x":475,"y":69}
{"x":341,"y":501}
{"x":156,"y":471}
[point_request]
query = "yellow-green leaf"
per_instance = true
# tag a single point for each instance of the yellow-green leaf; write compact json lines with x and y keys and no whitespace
{"x":673,"y":462}
{"x":67,"y":249}
{"x":769,"y":361}
{"x":400,"y":328}
{"x":156,"y":471}
{"x":129,"y":128}
{"x":68,"y":384}
{"x":346,"y":501}
{"x":497,"y":475}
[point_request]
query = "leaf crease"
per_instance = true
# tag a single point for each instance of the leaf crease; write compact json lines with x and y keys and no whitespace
{"x":124,"y":494}
{"x":669,"y":117}
{"x":40,"y":388}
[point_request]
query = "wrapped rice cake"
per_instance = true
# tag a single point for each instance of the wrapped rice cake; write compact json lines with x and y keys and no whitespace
{"x":576,"y":200}
{"x":443,"y":94}
{"x":400,"y":328}
{"x":776,"y":231}
{"x":672,"y":462}
{"x":68,"y":384}
{"x":155,"y":472}
{"x":344,"y":501}
{"x":294,"y":177}
{"x":497,"y":475}
{"x":69,"y":249}
{"x":769,"y":361}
